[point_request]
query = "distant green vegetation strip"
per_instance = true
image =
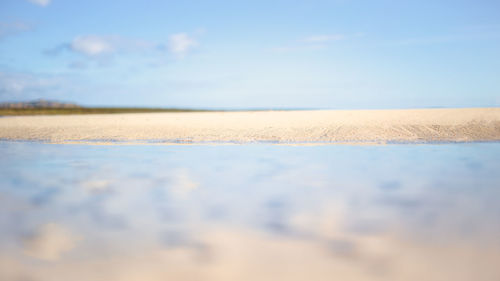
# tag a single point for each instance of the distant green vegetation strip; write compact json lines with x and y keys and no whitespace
{"x":86,"y":110}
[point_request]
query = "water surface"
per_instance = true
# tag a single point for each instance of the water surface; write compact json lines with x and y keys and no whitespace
{"x":249,"y":212}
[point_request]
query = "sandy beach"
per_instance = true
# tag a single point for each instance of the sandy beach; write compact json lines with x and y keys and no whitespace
{"x":319,"y":126}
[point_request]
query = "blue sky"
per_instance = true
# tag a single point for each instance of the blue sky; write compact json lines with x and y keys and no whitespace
{"x":247,"y":54}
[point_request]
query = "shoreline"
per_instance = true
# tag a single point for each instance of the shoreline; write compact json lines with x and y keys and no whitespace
{"x":226,"y":143}
{"x":313,"y":127}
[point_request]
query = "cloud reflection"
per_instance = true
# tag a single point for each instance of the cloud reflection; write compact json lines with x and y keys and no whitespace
{"x":49,"y":242}
{"x":192,"y":213}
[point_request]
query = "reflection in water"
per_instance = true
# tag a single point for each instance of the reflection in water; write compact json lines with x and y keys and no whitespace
{"x":49,"y":242}
{"x":253,"y":212}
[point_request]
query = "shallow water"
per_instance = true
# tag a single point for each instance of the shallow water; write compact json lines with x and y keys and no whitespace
{"x":249,"y":212}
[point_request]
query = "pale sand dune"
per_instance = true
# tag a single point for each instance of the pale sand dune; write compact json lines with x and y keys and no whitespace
{"x":319,"y":126}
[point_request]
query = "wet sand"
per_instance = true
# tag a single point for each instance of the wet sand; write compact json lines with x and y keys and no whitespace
{"x":318,"y":126}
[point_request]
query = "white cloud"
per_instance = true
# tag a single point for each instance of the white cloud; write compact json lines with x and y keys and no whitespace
{"x":24,"y":86}
{"x":12,"y":28}
{"x":323,"y":38}
{"x":42,"y":3}
{"x":95,"y":46}
{"x":102,"y":48}
{"x":15,"y":84}
{"x":92,"y":46}
{"x":180,"y":44}
{"x":49,"y":242}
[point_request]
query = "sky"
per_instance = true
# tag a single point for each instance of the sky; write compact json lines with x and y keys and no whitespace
{"x":338,"y":54}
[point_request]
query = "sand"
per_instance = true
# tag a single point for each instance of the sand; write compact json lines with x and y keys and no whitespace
{"x":289,"y":127}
